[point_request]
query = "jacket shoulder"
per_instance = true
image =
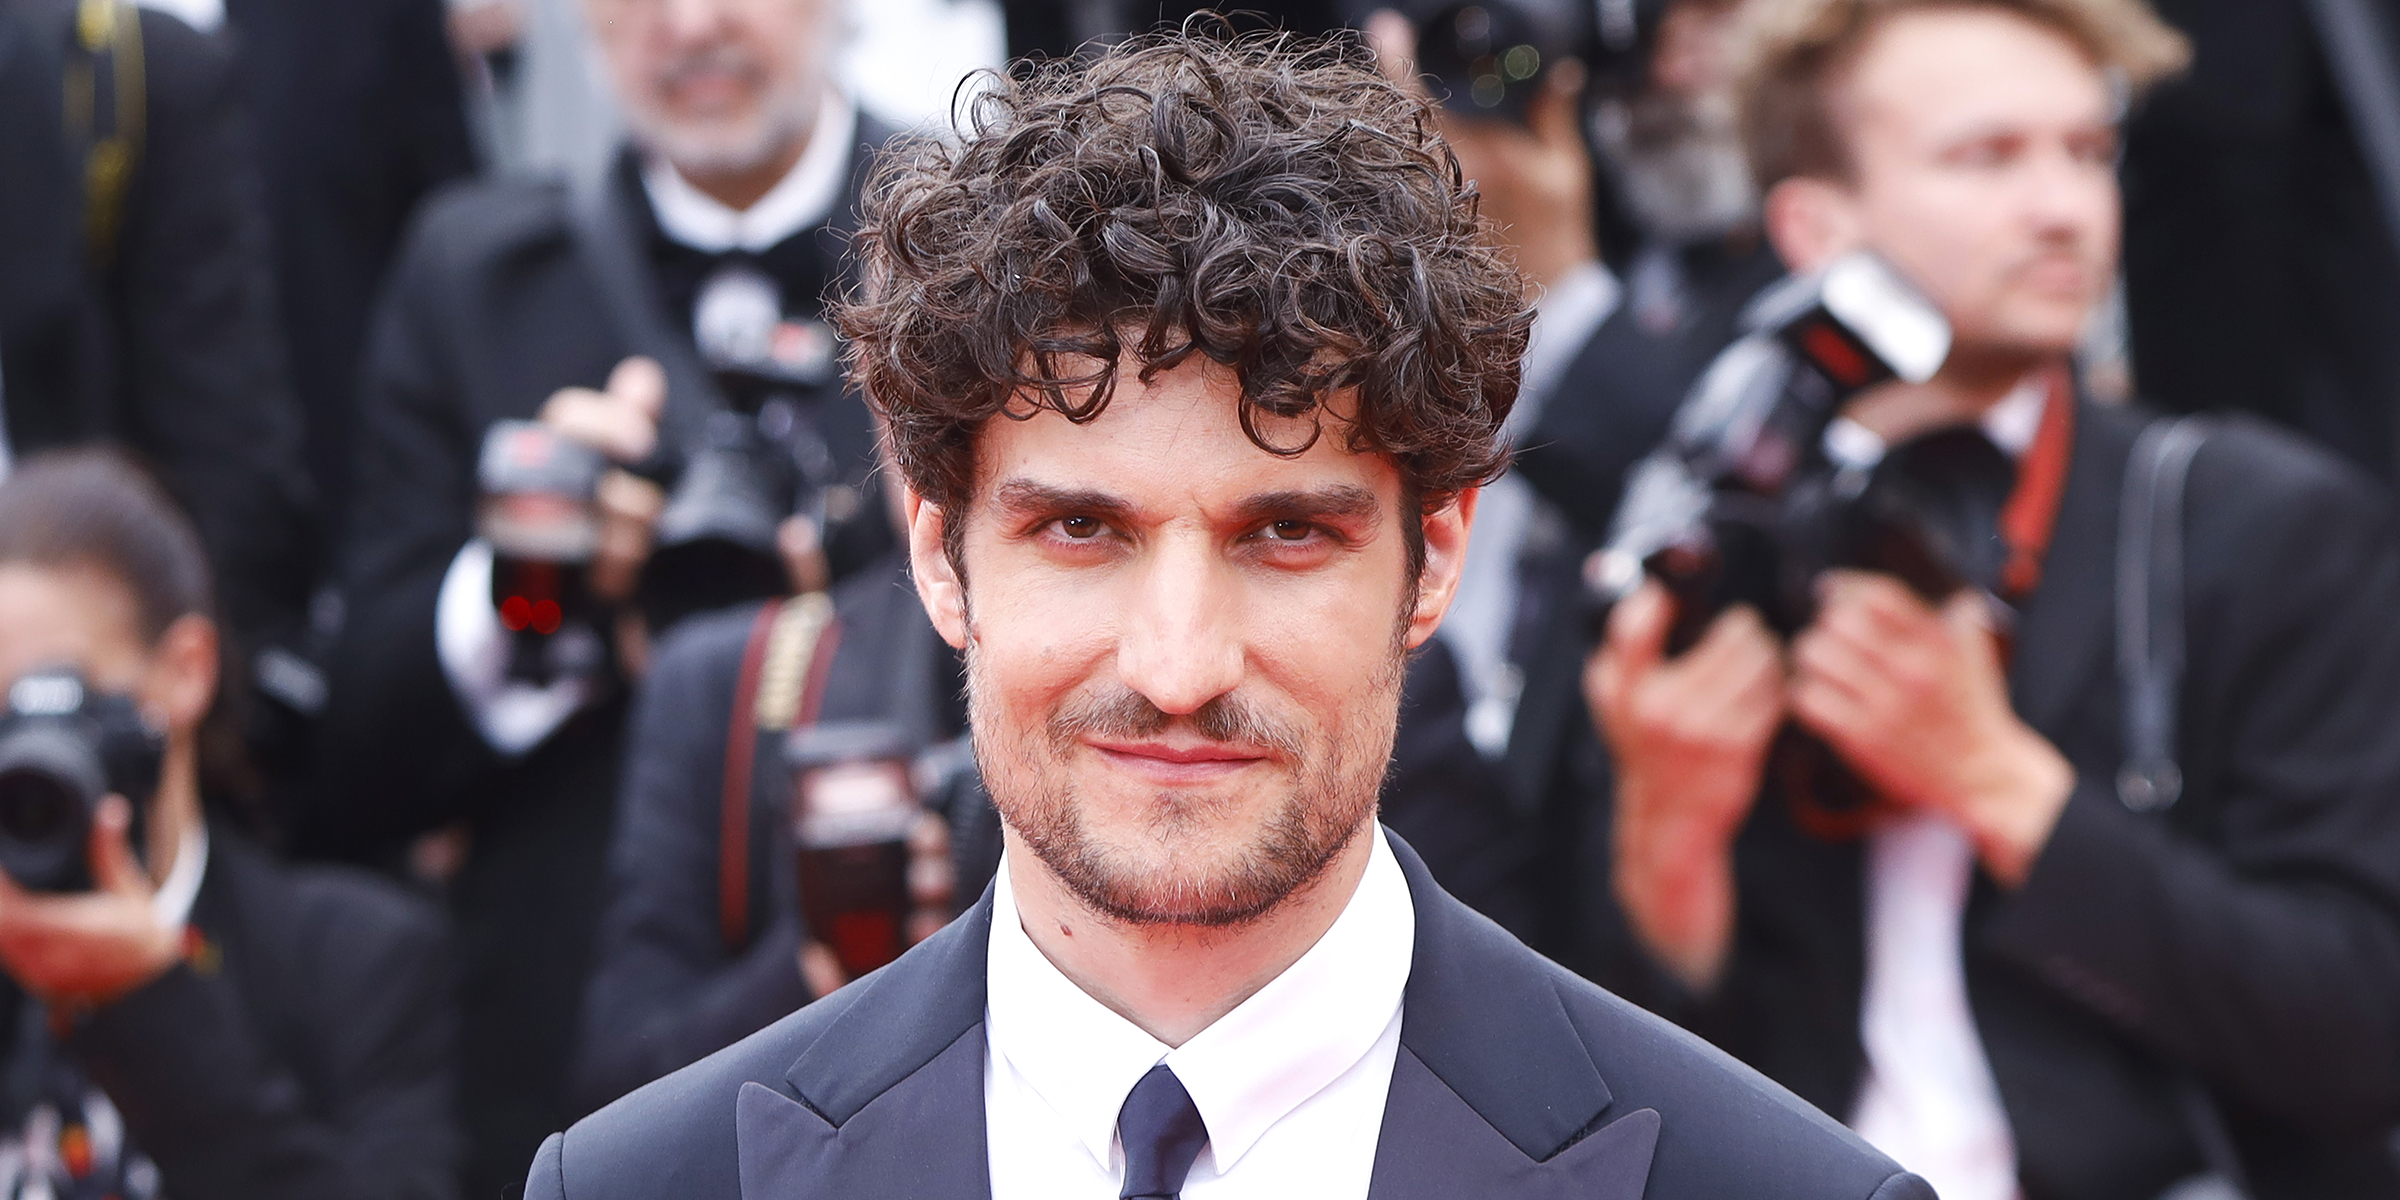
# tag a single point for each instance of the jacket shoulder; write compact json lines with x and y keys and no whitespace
{"x":467,"y":227}
{"x":1725,"y":1130}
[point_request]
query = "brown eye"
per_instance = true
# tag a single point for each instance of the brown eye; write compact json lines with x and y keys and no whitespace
{"x":1079,"y":528}
{"x":1290,"y":531}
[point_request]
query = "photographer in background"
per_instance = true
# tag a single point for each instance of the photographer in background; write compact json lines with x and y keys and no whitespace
{"x":2046,"y":962}
{"x":182,"y":1015}
{"x":656,"y":336}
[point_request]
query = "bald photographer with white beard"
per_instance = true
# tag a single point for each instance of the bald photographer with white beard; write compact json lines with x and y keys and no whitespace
{"x":627,"y":318}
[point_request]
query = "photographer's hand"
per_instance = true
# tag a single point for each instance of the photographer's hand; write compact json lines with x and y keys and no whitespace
{"x":621,"y":422}
{"x":1916,"y":701}
{"x":1689,"y":736}
{"x":90,"y":946}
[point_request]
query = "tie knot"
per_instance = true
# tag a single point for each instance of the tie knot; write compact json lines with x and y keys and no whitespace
{"x":1163,"y":1134}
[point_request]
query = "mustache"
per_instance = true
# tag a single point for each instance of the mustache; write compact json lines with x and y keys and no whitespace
{"x":720,"y":59}
{"x":1122,"y":714}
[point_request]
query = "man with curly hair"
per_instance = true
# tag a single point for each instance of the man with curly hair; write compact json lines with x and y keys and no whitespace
{"x":1249,"y":346}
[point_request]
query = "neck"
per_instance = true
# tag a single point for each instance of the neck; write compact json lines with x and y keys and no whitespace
{"x":1966,"y":388}
{"x":1173,"y":981}
{"x":174,"y":810}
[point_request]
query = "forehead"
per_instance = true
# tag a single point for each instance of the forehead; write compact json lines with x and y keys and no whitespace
{"x":1175,"y":446}
{"x":1952,"y":72}
{"x":66,"y":616}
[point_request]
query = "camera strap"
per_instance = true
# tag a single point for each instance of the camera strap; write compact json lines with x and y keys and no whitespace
{"x":2030,"y":517}
{"x":2150,"y":645}
{"x":2150,"y":609}
{"x":781,"y":687}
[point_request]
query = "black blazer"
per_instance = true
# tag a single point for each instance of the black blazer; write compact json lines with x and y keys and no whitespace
{"x":1514,"y":1079}
{"x":305,"y":1053}
{"x":360,"y":115}
{"x":2249,"y":938}
{"x":173,"y":349}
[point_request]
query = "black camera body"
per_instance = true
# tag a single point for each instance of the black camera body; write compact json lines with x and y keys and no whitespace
{"x":63,"y":747}
{"x":539,"y":513}
{"x":756,"y":460}
{"x":1743,"y":506}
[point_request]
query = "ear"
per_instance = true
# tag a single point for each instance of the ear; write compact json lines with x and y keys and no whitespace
{"x":1812,"y":222}
{"x":183,"y":673}
{"x":1446,"y":530}
{"x":944,"y":594}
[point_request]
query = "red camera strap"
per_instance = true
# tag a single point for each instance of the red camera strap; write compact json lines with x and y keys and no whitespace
{"x":810,"y":644}
{"x":2030,"y":518}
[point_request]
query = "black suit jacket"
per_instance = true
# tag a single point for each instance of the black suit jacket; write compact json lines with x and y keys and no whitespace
{"x":490,"y":309}
{"x":1514,"y":1079}
{"x":2249,"y":938}
{"x":305,"y":1053}
{"x":360,"y":116}
{"x":172,"y":348}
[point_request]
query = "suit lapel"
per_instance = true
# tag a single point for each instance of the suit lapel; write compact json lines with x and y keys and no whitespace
{"x":922,"y":1139}
{"x":1494,"y":1092}
{"x":887,"y":1099}
{"x":1435,"y":1146}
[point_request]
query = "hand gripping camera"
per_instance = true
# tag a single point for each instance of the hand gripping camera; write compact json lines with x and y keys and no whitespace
{"x":63,"y":747}
{"x":1744,"y":505}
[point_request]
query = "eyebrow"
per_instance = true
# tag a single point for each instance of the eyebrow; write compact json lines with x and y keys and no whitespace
{"x":1339,"y":502}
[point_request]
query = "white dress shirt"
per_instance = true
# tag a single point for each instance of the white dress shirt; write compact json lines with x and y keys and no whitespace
{"x":1291,"y":1083}
{"x":1930,"y":1101}
{"x":513,"y":715}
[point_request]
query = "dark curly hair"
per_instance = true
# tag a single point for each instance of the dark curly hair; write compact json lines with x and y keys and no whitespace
{"x":1268,"y":202}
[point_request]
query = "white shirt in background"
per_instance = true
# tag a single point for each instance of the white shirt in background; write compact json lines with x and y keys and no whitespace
{"x":1930,"y":1101}
{"x":1291,"y":1083}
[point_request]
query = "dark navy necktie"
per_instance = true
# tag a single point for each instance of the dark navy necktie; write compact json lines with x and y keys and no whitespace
{"x":1163,"y":1134}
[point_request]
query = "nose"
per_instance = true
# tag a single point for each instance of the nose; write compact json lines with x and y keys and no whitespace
{"x":692,"y":19}
{"x":1181,"y":643}
{"x":2068,"y":196}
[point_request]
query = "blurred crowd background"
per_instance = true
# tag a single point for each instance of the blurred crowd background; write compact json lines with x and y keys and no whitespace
{"x":497,"y":390}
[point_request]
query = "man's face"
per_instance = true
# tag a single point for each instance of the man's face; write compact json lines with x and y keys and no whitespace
{"x":717,"y":85}
{"x":1184,"y":653}
{"x":1985,"y":148}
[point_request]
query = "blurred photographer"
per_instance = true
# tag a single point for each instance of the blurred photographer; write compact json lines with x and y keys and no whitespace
{"x":183,"y":1015}
{"x":570,"y":385}
{"x":2121,"y":905}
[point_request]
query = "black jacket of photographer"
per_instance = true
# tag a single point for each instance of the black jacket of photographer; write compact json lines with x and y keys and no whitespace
{"x":161,"y":336}
{"x":2248,"y":938}
{"x":490,"y":309}
{"x":301,"y":1051}
{"x":667,"y":989}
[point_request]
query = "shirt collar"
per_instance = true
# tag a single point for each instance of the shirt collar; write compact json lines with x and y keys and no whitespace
{"x":805,"y":196}
{"x":172,"y":903}
{"x":1247,"y":1071}
{"x":2012,"y":424}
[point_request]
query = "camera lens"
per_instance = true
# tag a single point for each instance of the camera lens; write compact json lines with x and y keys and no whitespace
{"x":36,"y":806}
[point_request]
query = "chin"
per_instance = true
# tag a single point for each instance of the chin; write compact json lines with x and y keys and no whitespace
{"x":1216,"y":858}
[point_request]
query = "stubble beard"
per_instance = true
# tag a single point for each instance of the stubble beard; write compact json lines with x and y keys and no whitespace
{"x":1332,"y":792}
{"x":786,"y":114}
